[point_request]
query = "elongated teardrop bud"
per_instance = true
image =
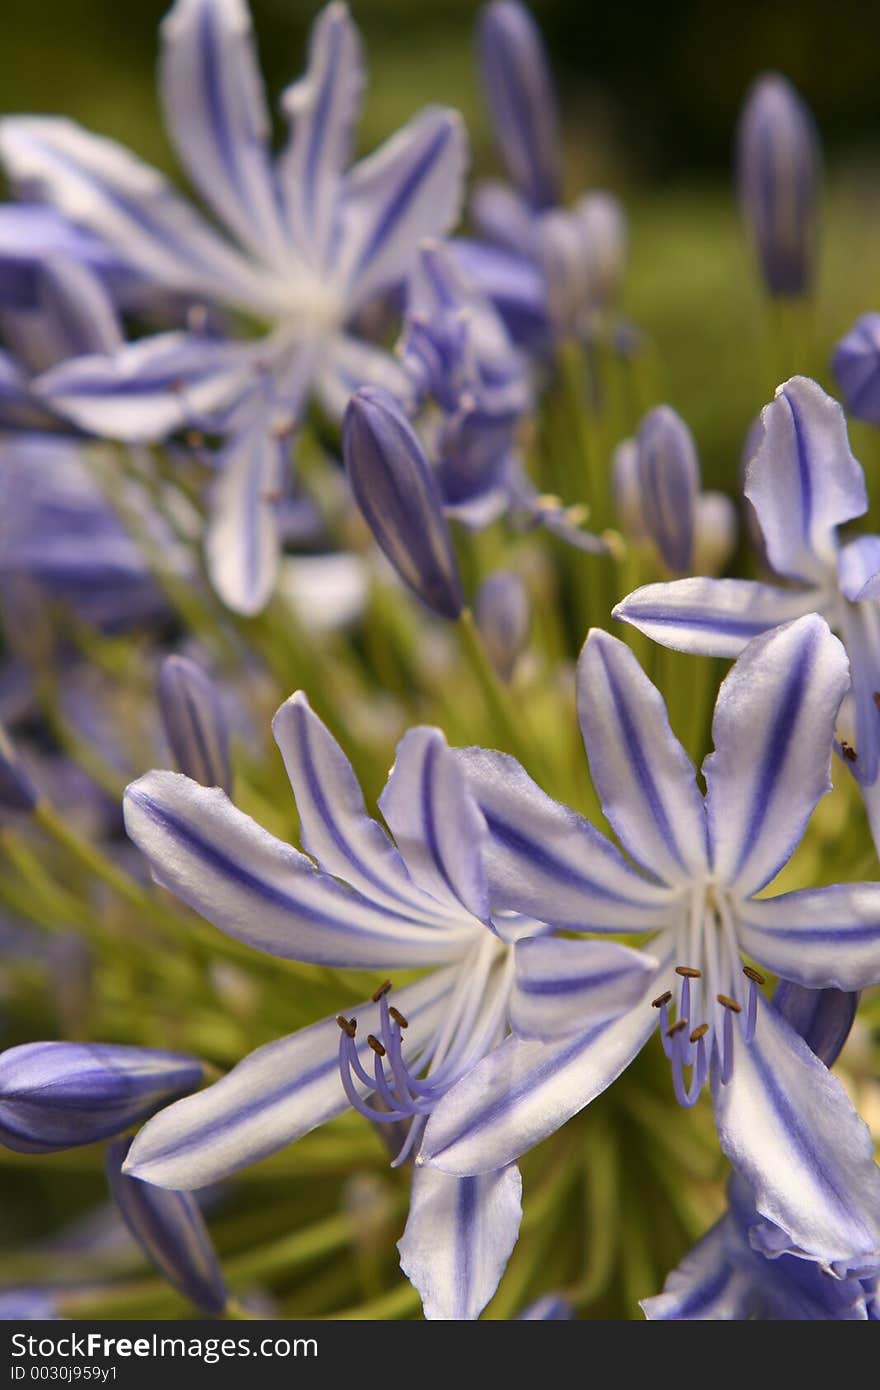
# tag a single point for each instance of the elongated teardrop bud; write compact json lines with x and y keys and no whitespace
{"x":669,"y":482}
{"x":519,"y":91}
{"x":503,"y":616}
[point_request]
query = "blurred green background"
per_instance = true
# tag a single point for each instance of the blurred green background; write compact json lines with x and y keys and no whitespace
{"x":650,"y":96}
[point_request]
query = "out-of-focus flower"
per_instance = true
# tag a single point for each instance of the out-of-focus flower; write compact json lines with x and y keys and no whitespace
{"x":503,"y":614}
{"x":17,"y":790}
{"x":777,"y":156}
{"x":29,"y":1305}
{"x":783,"y":1119}
{"x":56,"y":1095}
{"x":170,"y":1229}
{"x":195,"y":722}
{"x":373,"y":903}
{"x":856,"y":365}
{"x":551,"y":1308}
{"x":314,"y":243}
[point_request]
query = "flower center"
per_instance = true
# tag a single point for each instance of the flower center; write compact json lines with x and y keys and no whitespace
{"x":714,"y":1003}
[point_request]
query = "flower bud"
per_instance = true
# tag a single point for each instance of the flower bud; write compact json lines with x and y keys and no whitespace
{"x":17,"y":791}
{"x":777,"y":155}
{"x":714,"y":532}
{"x":503,"y":617}
{"x":856,"y":365}
{"x":627,"y":490}
{"x":194,"y":722}
{"x":669,"y":481}
{"x":603,"y":224}
{"x":519,"y":90}
{"x":400,"y":498}
{"x":57,"y":1095}
{"x":170,"y":1230}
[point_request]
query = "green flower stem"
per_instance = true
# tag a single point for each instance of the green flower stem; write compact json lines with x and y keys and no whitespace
{"x":301,"y":1247}
{"x":400,"y":1302}
{"x":599,"y":1174}
{"x":511,"y":728}
{"x":91,"y":858}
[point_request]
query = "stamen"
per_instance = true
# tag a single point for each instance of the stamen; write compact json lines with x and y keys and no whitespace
{"x":676,"y":1027}
{"x":729,"y":1003}
{"x":348,"y":1025}
{"x":755,"y":975}
{"x":661,"y":1000}
{"x":848,"y":751}
{"x":699,"y":1033}
{"x":383,"y":989}
{"x":877,"y":699}
{"x":688,"y":972}
{"x":376,"y":1045}
{"x":755,"y":979}
{"x":398,"y":1017}
{"x":727,"y":1049}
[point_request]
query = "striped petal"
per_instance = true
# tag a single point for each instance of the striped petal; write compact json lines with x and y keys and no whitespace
{"x":524,"y":1091}
{"x":262,"y":891}
{"x":644,"y":778}
{"x":860,"y":630}
{"x":148,"y":389}
{"x":564,"y":987}
{"x":819,"y":937}
{"x":99,"y":185}
{"x":788,"y":1127}
{"x":275,"y":1095}
{"x":436,"y":822}
{"x":242,"y":542}
{"x":334,"y":826}
{"x":459,"y":1235}
{"x":707,"y":1285}
{"x":408,"y":189}
{"x":519,"y":90}
{"x":804,"y":482}
{"x":321,"y":109}
{"x":713,"y":617}
{"x":773,"y":730}
{"x":347,"y":363}
{"x":216,"y":114}
{"x":545,"y":860}
{"x":859,"y":568}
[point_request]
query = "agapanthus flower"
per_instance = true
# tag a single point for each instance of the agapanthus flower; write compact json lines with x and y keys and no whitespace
{"x":370,"y":903}
{"x":803,"y":484}
{"x":310,"y":243}
{"x":701,"y":864}
{"x":731,"y":1274}
{"x":581,"y":251}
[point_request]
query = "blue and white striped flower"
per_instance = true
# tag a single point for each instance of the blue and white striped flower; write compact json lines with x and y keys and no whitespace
{"x":371,"y":903}
{"x":735,"y":1272}
{"x":309,"y":243}
{"x":783,"y":1119}
{"x":803,"y":483}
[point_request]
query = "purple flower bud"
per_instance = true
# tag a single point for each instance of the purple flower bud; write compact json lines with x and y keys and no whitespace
{"x":823,"y":1017}
{"x":57,"y":1095}
{"x":17,"y":791}
{"x":603,"y":224}
{"x":856,"y":365}
{"x":194,"y":721}
{"x":171,"y":1231}
{"x":400,"y":497}
{"x":503,"y":616}
{"x":519,"y":90}
{"x":777,"y":155}
{"x":627,"y":489}
{"x":669,"y":481}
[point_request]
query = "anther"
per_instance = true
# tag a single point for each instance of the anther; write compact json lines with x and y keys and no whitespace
{"x":699,"y":1032}
{"x":676,"y":1027}
{"x":754,"y":975}
{"x":376,"y":1045}
{"x":848,"y":751}
{"x":729,"y":1003}
{"x":398,"y":1017}
{"x":661,"y":1000}
{"x":383,"y":989}
{"x":348,"y":1025}
{"x":877,"y":698}
{"x":688,"y":972}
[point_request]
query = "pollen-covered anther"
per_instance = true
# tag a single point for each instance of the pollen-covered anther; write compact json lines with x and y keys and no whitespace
{"x":675,"y":1028}
{"x":398,"y":1017}
{"x":729,"y":1003}
{"x":375,"y":1045}
{"x":348,"y":1025}
{"x":661,"y":1000}
{"x":848,"y":751}
{"x":688,"y":972}
{"x":383,"y":989}
{"x":754,"y":975}
{"x":699,"y":1032}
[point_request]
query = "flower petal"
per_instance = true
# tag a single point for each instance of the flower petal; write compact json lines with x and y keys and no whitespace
{"x":564,"y":987}
{"x":275,"y":1095}
{"x":823,"y":1017}
{"x":524,"y":1091}
{"x":545,"y":860}
{"x":347,"y":363}
{"x":216,"y":114}
{"x":645,"y":780}
{"x":459,"y":1235}
{"x":803,"y":482}
{"x":712,"y":617}
{"x":859,"y":568}
{"x":436,"y":822}
{"x":262,"y":891}
{"x":706,"y":1286}
{"x":242,"y":543}
{"x":519,"y":90}
{"x":773,"y":729}
{"x":148,"y":389}
{"x":787,"y":1125}
{"x":819,"y":937}
{"x":321,"y":108}
{"x":860,"y":630}
{"x":334,"y":826}
{"x":410,"y":188}
{"x":98,"y":184}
